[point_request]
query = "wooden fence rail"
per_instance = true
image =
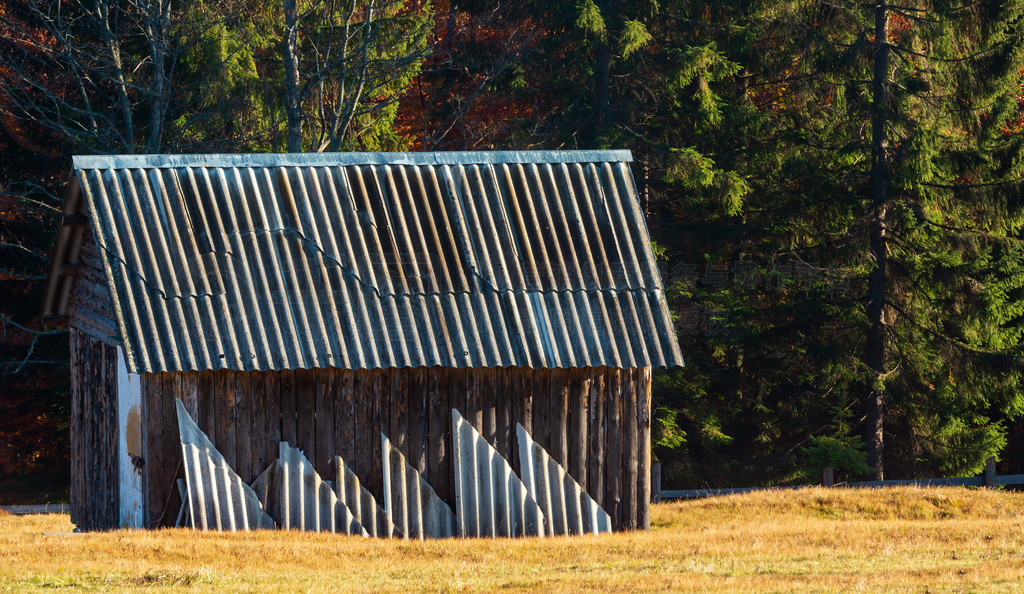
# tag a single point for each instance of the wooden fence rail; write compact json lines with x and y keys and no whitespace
{"x":989,"y":479}
{"x":43,"y":508}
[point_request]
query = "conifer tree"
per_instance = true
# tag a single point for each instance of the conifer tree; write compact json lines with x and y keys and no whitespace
{"x":873,"y":138}
{"x":932,"y":86}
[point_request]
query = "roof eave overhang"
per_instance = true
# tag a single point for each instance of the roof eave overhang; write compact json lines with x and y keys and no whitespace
{"x":74,"y":224}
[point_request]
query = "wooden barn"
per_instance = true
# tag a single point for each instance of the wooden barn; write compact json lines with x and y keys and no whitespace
{"x":324,"y":299}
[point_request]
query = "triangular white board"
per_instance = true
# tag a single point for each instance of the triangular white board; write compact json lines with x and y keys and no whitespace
{"x":567,"y":508}
{"x":298,"y":498}
{"x":490,"y":500}
{"x":362,"y":503}
{"x":218,"y":499}
{"x":410,"y":501}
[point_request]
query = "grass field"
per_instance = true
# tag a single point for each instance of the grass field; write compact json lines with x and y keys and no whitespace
{"x":898,"y":539}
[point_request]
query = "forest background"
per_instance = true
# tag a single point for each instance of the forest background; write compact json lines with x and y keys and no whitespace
{"x":833,"y":188}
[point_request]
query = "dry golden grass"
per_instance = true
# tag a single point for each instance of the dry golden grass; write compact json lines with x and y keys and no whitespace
{"x":899,"y":539}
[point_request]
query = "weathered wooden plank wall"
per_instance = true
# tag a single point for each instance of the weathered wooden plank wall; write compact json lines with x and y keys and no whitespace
{"x":593,"y":421}
{"x":89,"y":304}
{"x":94,"y":465}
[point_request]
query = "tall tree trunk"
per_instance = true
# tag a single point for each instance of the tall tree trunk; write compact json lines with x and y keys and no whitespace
{"x":158,"y":12}
{"x":602,"y":78}
{"x":875,"y":347}
{"x":117,"y":73}
{"x":292,"y":91}
{"x":348,"y":101}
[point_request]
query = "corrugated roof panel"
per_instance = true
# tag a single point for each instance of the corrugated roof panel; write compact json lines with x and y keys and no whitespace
{"x":255,"y":262}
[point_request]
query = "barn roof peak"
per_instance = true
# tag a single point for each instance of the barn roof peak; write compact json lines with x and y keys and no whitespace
{"x":348,"y":159}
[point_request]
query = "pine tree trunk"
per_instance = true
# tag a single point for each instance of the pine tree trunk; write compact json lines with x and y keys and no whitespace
{"x":156,"y":34}
{"x":875,"y":346}
{"x":121,"y":84}
{"x":292,"y":98}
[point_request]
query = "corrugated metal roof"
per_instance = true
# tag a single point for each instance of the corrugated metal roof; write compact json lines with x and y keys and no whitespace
{"x":255,"y":262}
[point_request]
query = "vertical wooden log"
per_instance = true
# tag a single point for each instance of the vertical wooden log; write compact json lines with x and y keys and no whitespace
{"x":77,"y":434}
{"x":88,"y":418}
{"x":174,"y":384}
{"x":258,"y":460}
{"x":472,"y":409}
{"x":272,"y":416}
{"x":579,"y":399}
{"x":541,"y":379}
{"x":80,"y":419}
{"x":597,"y":436}
{"x":488,"y":414}
{"x":522,"y":410}
{"x":365,"y":430}
{"x":190,"y":398}
{"x":102,"y":468}
{"x":243,"y":427}
{"x":226,"y":414}
{"x":104,"y":451}
{"x":630,"y":449}
{"x":155,"y":462}
{"x":207,"y":397}
{"x":345,"y":414}
{"x":613,"y":456}
{"x":83,"y":437}
{"x":399,"y":410}
{"x":95,"y":436}
{"x":98,"y":453}
{"x":172,"y":450}
{"x":325,"y":449}
{"x":990,"y":472}
{"x":828,"y":477}
{"x":503,"y":412}
{"x":190,"y":393}
{"x":380,"y":402}
{"x":516,"y":408}
{"x":643,"y":398}
{"x":144,"y":427}
{"x":438,"y":412}
{"x":457,"y":384}
{"x":288,"y":427}
{"x":99,"y":491}
{"x":111,"y":444}
{"x":305,"y":419}
{"x":419,"y":425}
{"x":559,"y":417}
